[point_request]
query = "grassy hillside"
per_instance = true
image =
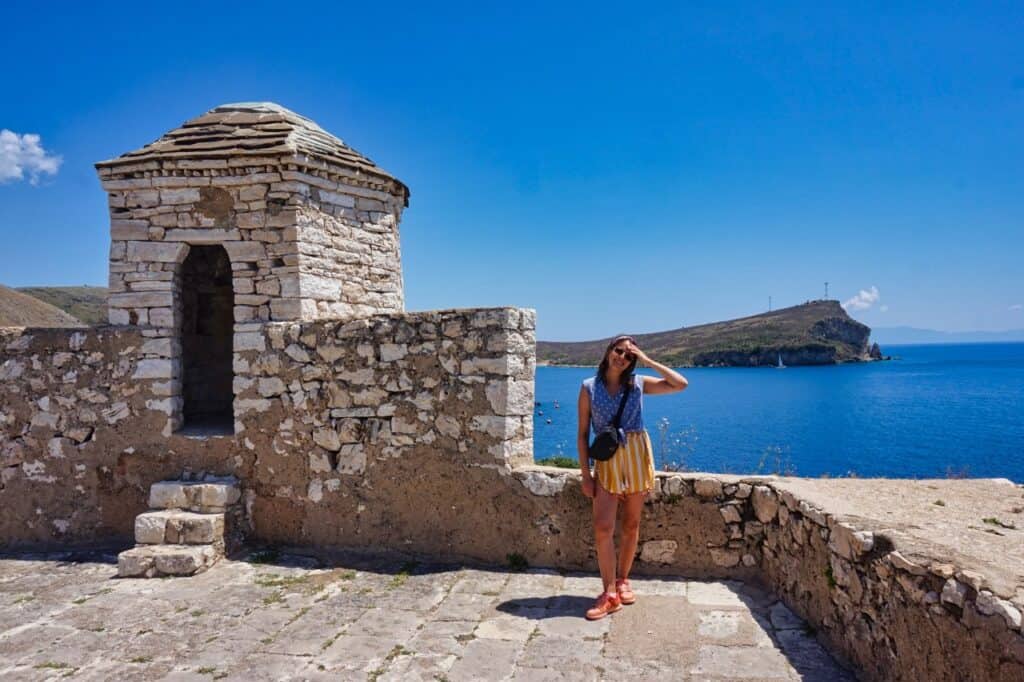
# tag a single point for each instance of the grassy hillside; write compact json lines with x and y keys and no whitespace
{"x":21,"y":310}
{"x":815,"y":333}
{"x":88,"y":304}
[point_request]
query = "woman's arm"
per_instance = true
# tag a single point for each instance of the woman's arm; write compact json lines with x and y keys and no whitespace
{"x":583,"y":440}
{"x":671,"y":381}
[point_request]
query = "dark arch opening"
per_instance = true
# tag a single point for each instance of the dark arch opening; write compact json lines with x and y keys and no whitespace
{"x":207,"y":330}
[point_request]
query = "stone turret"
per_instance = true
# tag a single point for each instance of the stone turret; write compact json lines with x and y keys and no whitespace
{"x":310,"y":225}
{"x":246,"y":215}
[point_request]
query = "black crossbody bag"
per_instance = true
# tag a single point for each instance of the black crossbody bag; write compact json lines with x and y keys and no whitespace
{"x":606,"y":443}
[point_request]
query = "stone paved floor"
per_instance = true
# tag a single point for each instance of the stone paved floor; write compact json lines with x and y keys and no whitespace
{"x":291,"y":617}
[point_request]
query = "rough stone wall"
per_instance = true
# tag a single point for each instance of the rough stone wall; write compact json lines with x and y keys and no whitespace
{"x":349,"y":256}
{"x":332,"y":419}
{"x":66,"y":398}
{"x":893,"y":616}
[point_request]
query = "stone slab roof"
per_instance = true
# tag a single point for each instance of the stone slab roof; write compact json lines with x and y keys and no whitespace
{"x":257,"y":129}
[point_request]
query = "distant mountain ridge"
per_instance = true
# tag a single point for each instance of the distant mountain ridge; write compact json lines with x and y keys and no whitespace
{"x":813,"y":333}
{"x":88,"y":304}
{"x":912,"y":335}
{"x":21,"y":310}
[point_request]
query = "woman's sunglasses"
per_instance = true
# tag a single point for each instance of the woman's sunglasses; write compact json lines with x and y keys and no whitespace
{"x":622,"y":352}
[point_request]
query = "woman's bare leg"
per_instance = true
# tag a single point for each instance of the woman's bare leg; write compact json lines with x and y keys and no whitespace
{"x":605,"y":508}
{"x":632,"y":508}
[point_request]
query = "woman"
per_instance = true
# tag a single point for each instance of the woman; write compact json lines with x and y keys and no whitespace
{"x":628,"y":476}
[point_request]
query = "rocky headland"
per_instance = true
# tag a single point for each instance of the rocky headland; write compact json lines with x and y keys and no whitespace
{"x":813,"y":333}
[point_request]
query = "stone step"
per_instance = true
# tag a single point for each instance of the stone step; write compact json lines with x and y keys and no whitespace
{"x":209,"y":496}
{"x":177,"y":527}
{"x":151,"y":561}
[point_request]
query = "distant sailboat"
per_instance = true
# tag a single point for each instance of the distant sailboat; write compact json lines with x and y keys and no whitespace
{"x":780,"y":365}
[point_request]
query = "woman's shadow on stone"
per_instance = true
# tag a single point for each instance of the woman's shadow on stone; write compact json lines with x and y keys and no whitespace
{"x":539,"y":608}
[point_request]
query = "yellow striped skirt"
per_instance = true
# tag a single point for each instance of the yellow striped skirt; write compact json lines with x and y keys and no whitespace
{"x":631,"y":470}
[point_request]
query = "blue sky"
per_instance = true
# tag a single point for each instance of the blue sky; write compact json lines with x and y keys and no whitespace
{"x":617,"y":167}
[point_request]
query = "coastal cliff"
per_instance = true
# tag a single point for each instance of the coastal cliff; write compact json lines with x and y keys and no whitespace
{"x":814,"y":333}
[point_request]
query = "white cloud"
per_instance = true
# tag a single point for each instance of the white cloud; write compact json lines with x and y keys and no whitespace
{"x":22,"y":155}
{"x":1017,"y":306}
{"x":863,"y":300}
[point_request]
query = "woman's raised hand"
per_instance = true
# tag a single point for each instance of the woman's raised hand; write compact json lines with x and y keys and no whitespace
{"x":640,"y":355}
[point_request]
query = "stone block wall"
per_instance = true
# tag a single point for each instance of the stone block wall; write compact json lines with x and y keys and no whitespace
{"x":894,"y":615}
{"x":334,"y":422}
{"x":304,"y":243}
{"x":413,"y":432}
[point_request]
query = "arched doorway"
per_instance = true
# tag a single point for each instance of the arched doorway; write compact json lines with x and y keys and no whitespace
{"x":207,"y":307}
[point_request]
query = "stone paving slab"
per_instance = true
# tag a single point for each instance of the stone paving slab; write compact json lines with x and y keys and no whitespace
{"x":301,"y":618}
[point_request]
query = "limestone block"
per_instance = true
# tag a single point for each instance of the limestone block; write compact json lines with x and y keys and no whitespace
{"x":199,"y":236}
{"x":162,"y":317}
{"x":905,"y":564}
{"x":766,"y":503}
{"x":954,"y":592}
{"x":319,"y":288}
{"x":327,"y":439}
{"x":510,"y":397}
{"x":989,"y":604}
{"x":813,"y":513}
{"x":187,"y":195}
{"x":497,"y":427}
{"x":319,"y":463}
{"x":116,"y":413}
{"x":658,"y":551}
{"x":708,"y":488}
{"x":156,"y":252}
{"x":448,"y":425}
{"x":362,"y":377}
{"x":297,"y":353}
{"x":129,"y":230}
{"x":730,"y":513}
{"x":134,"y":564}
{"x":141,"y":299}
{"x":389,"y":352}
{"x":674,"y":485}
{"x":167,"y":495}
{"x":213,"y":495}
{"x":149,"y":528}
{"x":473,"y":366}
{"x":542,"y":483}
{"x":44,"y":420}
{"x":245,"y":251}
{"x":271,"y":386}
{"x":351,"y":459}
{"x":142,"y":198}
{"x":189,"y":528}
{"x":244,"y":341}
{"x":183,"y":559}
{"x":156,"y":369}
{"x":848,"y":543}
{"x":162,"y":347}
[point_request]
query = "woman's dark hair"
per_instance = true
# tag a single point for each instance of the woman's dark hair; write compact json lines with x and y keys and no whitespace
{"x":602,"y":369}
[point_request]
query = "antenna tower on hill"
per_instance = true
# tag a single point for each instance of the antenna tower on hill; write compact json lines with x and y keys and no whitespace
{"x":826,"y":291}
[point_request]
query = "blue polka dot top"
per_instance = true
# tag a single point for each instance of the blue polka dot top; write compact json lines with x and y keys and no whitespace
{"x":603,"y":406}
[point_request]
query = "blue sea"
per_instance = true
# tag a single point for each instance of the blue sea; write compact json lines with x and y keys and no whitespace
{"x":931,"y":411}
